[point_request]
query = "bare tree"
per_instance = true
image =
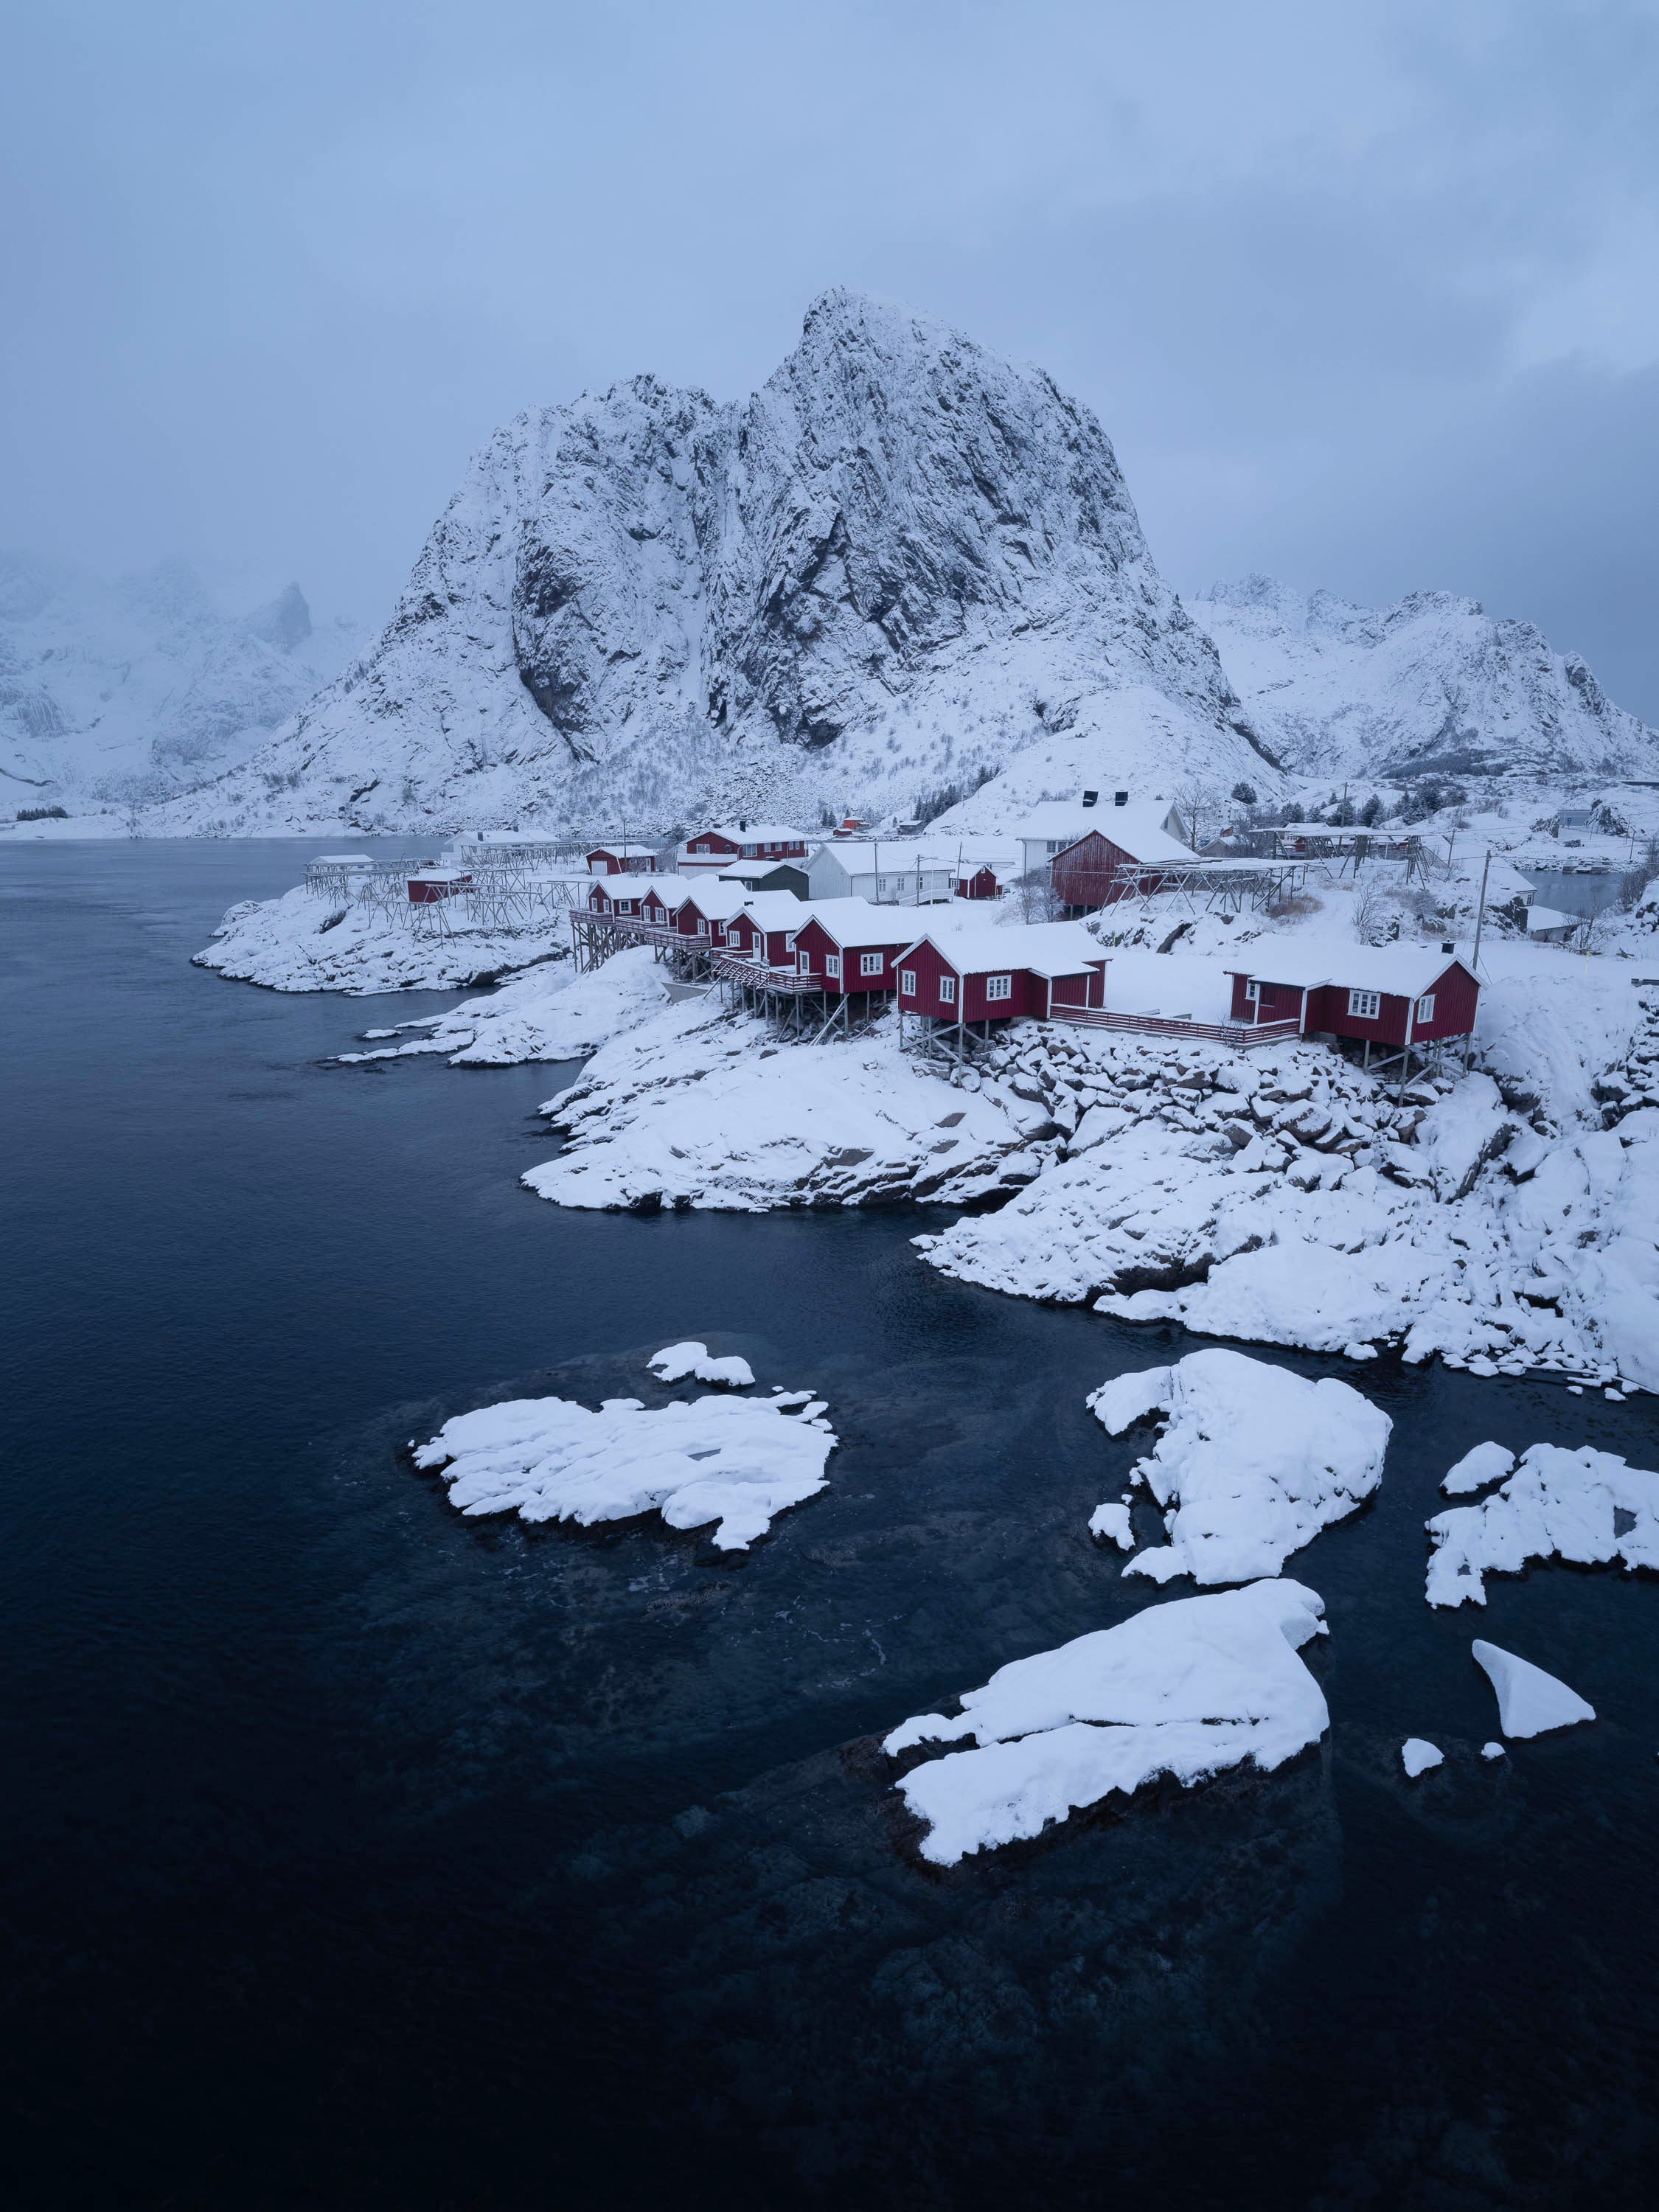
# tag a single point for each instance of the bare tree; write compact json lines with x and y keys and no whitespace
{"x":1197,"y":804}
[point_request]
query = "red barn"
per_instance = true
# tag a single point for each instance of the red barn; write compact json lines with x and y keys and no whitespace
{"x":980,"y":974}
{"x":849,"y":946}
{"x":1391,"y":995}
{"x":742,"y":841}
{"x":1106,"y":863}
{"x":977,"y":883}
{"x":621,"y":861}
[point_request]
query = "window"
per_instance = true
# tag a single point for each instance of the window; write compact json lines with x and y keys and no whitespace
{"x":703,"y":929}
{"x":1253,"y":992}
{"x":947,"y":990}
{"x":832,"y":964}
{"x":804,"y":963}
{"x":1365,"y":1005}
{"x":907,"y":982}
{"x":789,"y":941}
{"x":999,"y":986}
{"x":1425,"y":1007}
{"x":870,"y":963}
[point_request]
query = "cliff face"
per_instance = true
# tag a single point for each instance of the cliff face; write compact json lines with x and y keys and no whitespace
{"x":1433,"y":686}
{"x":899,"y":565}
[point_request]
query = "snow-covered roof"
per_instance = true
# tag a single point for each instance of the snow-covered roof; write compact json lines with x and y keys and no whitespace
{"x":776,"y":909}
{"x":855,"y":922}
{"x":1138,"y":830}
{"x":1403,"y":970}
{"x":1046,"y":948}
{"x":752,"y":871}
{"x":718,"y":901}
{"x":754,"y":833}
{"x":623,"y":851}
{"x":671,"y":890}
{"x":882,"y":856}
{"x":1550,"y":917}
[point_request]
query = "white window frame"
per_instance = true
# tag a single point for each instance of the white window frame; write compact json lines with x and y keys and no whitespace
{"x":947,"y":990}
{"x":1364,"y":1005}
{"x":789,"y":941}
{"x":803,"y":963}
{"x":907,"y":982}
{"x":1252,"y":992}
{"x":702,"y":927}
{"x":1425,"y":1007}
{"x":832,"y":965}
{"x":999,"y":986}
{"x":870,"y":963}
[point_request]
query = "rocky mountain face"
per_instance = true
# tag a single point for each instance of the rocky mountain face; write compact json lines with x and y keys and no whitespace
{"x":135,"y":691}
{"x":898,"y":567}
{"x":1434,"y":686}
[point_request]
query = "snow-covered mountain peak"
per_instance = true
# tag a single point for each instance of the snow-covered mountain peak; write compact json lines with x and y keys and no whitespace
{"x":900,"y":563}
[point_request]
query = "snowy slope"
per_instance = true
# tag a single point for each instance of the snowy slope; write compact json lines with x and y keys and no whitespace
{"x":141,"y":689}
{"x":1432,"y":686}
{"x":901,"y":562}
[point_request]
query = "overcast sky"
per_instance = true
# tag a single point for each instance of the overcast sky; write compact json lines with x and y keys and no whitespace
{"x":1365,"y":296}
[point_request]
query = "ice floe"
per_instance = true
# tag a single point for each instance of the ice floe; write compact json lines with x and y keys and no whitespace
{"x":1586,"y":1506}
{"x":1253,"y":1461}
{"x":1418,"y":1755}
{"x":1530,"y":1701}
{"x":1185,"y":1688}
{"x":736,"y":1461}
{"x":676,"y":1361}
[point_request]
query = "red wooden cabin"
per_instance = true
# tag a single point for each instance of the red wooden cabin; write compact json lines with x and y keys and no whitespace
{"x":621,"y":861}
{"x":607,"y":897}
{"x":979,"y":974}
{"x":849,"y":946}
{"x":1390,"y":994}
{"x":764,"y":931}
{"x":706,"y":911}
{"x":979,"y":883}
{"x":742,"y":841}
{"x":434,"y":884}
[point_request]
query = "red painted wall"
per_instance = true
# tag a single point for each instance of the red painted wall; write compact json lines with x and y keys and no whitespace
{"x":1456,"y":995}
{"x":1086,"y":874}
{"x":815,"y":940}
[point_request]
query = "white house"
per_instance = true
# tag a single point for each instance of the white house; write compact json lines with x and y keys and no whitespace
{"x":886,"y":875}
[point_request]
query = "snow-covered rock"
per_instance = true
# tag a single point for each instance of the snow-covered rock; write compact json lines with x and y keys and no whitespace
{"x":1487,"y":1463}
{"x":900,"y":563}
{"x":549,"y":1012}
{"x":1530,"y":1701}
{"x":301,"y":943}
{"x":1556,"y":1504}
{"x":1253,"y":1461}
{"x":1418,"y":1755}
{"x":132,"y":692}
{"x":736,"y":1461}
{"x":675,"y":1362}
{"x":1492,"y":1751}
{"x":1186,"y":1688}
{"x":1433,"y":686}
{"x":692,"y":1108}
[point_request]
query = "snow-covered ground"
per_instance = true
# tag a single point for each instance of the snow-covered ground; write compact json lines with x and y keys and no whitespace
{"x":1186,"y":1688}
{"x":1586,"y":1506}
{"x":549,"y":1012}
{"x":302,"y":942}
{"x":735,"y":1462}
{"x":695,"y":1108}
{"x":1253,"y":1461}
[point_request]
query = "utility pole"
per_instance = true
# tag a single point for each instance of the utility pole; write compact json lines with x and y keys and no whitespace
{"x":1474,"y":958}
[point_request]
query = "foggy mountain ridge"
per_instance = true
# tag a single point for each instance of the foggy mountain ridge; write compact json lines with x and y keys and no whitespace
{"x":130,"y":692}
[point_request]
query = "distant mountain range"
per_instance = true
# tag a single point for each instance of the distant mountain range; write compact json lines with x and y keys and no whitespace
{"x":904,"y":569}
{"x":130,"y":692}
{"x":1433,"y":686}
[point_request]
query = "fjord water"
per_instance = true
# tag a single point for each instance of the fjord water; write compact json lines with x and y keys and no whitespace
{"x":357,"y":1854}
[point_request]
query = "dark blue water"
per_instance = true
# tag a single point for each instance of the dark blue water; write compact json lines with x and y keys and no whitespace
{"x":357,"y":1855}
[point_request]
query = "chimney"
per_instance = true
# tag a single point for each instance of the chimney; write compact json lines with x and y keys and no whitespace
{"x":742,"y":826}
{"x":1090,"y":797}
{"x":1120,"y":798}
{"x":1448,"y":948}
